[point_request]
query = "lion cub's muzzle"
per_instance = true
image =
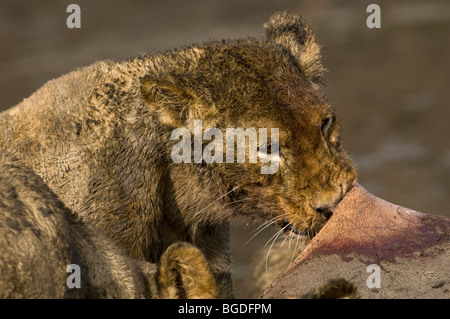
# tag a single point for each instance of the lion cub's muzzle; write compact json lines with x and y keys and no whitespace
{"x":326,"y":209}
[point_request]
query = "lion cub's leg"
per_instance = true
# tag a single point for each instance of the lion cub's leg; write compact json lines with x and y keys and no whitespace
{"x":184,"y":273}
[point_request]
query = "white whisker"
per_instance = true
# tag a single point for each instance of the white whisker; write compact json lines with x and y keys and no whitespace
{"x":291,"y":237}
{"x":295,"y":249}
{"x":276,"y":234}
{"x":217,"y":200}
{"x":237,"y":201}
{"x":273,"y":242}
{"x":276,"y":218}
{"x":266,"y":224}
{"x":286,"y":236}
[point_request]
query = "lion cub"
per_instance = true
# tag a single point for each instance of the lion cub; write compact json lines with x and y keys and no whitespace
{"x":40,"y":238}
{"x":102,"y":138}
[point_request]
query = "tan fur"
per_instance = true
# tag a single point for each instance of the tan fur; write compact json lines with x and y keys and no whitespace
{"x":184,"y":273}
{"x":40,"y":237}
{"x":100,"y":138}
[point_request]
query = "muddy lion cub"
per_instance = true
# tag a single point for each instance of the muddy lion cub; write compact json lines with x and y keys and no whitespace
{"x":41,"y":240}
{"x":102,"y":138}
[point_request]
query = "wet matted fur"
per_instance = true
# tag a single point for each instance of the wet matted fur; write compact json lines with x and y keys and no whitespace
{"x":40,"y":238}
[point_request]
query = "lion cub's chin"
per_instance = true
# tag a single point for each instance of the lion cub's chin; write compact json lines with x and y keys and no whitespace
{"x":298,"y":226}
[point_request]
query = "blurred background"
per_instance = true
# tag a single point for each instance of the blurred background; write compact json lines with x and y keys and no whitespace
{"x":390,"y":86}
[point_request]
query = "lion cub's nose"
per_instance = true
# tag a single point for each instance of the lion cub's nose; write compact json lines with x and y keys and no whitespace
{"x":325,"y":211}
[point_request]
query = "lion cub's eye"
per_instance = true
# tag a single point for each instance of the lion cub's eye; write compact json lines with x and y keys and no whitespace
{"x":329,"y":132}
{"x":326,"y":124}
{"x":267,"y":148}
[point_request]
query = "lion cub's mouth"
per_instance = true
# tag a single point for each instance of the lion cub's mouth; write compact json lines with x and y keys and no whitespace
{"x":290,"y":230}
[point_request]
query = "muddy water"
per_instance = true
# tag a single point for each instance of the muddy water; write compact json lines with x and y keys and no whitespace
{"x":389,"y":85}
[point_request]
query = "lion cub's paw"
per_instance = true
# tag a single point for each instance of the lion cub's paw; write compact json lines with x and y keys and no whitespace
{"x":333,"y":289}
{"x":184,"y":273}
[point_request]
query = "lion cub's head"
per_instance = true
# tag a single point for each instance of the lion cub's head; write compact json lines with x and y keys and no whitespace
{"x":253,"y":84}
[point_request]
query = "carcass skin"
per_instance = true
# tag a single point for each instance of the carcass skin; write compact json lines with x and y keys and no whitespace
{"x":386,"y":250}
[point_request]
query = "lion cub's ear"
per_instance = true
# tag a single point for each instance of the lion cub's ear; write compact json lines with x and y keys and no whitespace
{"x":293,"y":33}
{"x":185,"y":274}
{"x":170,"y":102}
